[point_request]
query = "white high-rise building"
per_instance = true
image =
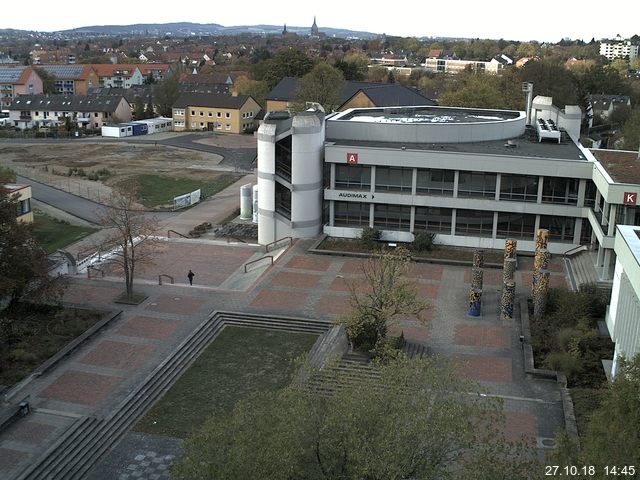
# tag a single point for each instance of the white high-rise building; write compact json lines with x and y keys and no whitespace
{"x":618,"y":48}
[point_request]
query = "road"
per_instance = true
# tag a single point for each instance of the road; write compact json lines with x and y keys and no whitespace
{"x":77,"y":206}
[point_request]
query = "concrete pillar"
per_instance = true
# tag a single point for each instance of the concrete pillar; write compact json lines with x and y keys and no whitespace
{"x":456,"y":179}
{"x":582,"y":190}
{"x":498,"y":182}
{"x":453,"y":221}
{"x":577,"y":231}
{"x":414,"y":181}
{"x":332,"y":181}
{"x":606,"y":264}
{"x":612,"y":220}
{"x":541,"y":293}
{"x":540,"y":187}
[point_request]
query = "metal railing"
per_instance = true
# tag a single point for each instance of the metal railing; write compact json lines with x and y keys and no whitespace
{"x":89,"y":268}
{"x":257,"y":260}
{"x":164,"y":275}
{"x":571,"y":251}
{"x":266,"y":247}
{"x":177,"y":233}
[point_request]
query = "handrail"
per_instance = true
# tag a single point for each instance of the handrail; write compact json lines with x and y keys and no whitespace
{"x":234,"y":238}
{"x":574,"y":250}
{"x":177,"y":233}
{"x":89,"y":268}
{"x":266,"y":247}
{"x":164,"y":275}
{"x":257,"y":260}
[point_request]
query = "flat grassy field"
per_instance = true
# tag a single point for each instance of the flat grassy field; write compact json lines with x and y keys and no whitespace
{"x":54,"y":234}
{"x":240,"y":361}
{"x":159,"y":190}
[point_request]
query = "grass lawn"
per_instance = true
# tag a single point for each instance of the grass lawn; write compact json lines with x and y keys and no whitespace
{"x":240,"y":361}
{"x":159,"y":190}
{"x":38,"y":333}
{"x":54,"y":234}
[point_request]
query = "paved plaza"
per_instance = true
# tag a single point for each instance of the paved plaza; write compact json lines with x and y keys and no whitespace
{"x":98,"y":375}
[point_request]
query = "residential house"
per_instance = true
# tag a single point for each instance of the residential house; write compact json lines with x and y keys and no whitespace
{"x":23,"y":198}
{"x":145,"y":92}
{"x":354,"y":94}
{"x":73,"y":79}
{"x":456,"y":65}
{"x":85,"y":112}
{"x":604,"y":105}
{"x":118,"y":75}
{"x":215,"y":112}
{"x":155,"y":71}
{"x":17,"y":80}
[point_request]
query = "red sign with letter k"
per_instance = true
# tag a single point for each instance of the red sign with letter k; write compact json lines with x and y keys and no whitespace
{"x":630,"y":198}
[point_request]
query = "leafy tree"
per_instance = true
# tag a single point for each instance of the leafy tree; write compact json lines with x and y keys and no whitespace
{"x":138,"y":108}
{"x":377,"y":74}
{"x":24,"y":265}
{"x":254,"y":88}
{"x":323,"y":85}
{"x":289,"y":62}
{"x":611,"y":435}
{"x":130,"y":234}
{"x":48,"y":80}
{"x":354,"y":67}
{"x":149,"y":111}
{"x":166,"y":93}
{"x":385,"y":293}
{"x":631,"y":130}
{"x":369,"y":237}
{"x":551,"y":79}
{"x":412,"y":419}
{"x":480,"y":90}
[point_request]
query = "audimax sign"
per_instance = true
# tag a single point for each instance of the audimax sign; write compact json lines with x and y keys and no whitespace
{"x":363,"y":196}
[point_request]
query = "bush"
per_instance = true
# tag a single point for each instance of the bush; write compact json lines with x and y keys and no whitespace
{"x":564,"y":362}
{"x":422,"y":241}
{"x":369,"y":237}
{"x":388,"y":349}
{"x":21,"y":355}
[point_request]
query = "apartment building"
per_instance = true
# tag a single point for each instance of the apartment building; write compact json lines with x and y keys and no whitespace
{"x":72,"y":79}
{"x":215,"y":112}
{"x":17,"y":80}
{"x":619,"y":48}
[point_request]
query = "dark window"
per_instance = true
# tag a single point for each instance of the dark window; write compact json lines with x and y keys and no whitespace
{"x":24,"y":206}
{"x":590,"y":194}
{"x":474,"y":222}
{"x":356,"y":177}
{"x":523,"y":188}
{"x":392,"y":217}
{"x":563,"y":191}
{"x":561,"y":229}
{"x":351,"y":214}
{"x":515,"y":225}
{"x":435,"y":182}
{"x":283,"y":158}
{"x":394,"y":179}
{"x":283,"y":201}
{"x":477,"y":184}
{"x":433,"y":219}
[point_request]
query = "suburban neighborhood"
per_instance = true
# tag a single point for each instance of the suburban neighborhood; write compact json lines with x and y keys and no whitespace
{"x":318,"y":252}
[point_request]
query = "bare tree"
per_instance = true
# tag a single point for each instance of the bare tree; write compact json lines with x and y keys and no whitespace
{"x":129,"y":235}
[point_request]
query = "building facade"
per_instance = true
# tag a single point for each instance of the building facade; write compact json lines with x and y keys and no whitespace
{"x":471,"y":177}
{"x":17,"y":80}
{"x":72,"y":79}
{"x":215,"y":112}
{"x":23,"y":199}
{"x":619,"y":48}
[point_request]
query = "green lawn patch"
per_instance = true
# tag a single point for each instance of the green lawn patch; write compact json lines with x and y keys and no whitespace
{"x":240,"y":361}
{"x":159,"y":190}
{"x":54,"y":234}
{"x":37,"y":333}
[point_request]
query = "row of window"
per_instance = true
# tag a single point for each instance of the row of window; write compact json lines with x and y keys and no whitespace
{"x":523,"y":188}
{"x":475,"y":223}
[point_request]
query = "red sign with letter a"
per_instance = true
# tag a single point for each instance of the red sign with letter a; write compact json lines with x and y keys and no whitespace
{"x":630,"y":198}
{"x":352,"y":158}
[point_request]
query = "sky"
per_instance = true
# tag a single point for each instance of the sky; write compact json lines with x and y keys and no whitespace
{"x":512,"y":20}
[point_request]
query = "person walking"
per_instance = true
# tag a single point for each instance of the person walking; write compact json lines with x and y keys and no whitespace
{"x":191,"y":275}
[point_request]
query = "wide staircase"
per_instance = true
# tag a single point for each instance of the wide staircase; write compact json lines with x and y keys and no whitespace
{"x":582,"y":272}
{"x":72,"y":455}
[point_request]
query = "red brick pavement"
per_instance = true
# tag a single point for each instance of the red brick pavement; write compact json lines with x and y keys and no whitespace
{"x":484,"y":368}
{"x":319,"y":264}
{"x":555,"y":280}
{"x":176,"y":304}
{"x":279,"y":300}
{"x":334,"y":304}
{"x":413,"y":334}
{"x":427,"y":290}
{"x":92,"y":293}
{"x":147,"y":327}
{"x":489,"y":277}
{"x":9,"y":459}
{"x":112,"y":354}
{"x":352,"y":266}
{"x":294,"y":279}
{"x":340,"y":284}
{"x":426,"y":271}
{"x":520,"y":426}
{"x":80,"y":387}
{"x":30,"y":432}
{"x":479,"y":336}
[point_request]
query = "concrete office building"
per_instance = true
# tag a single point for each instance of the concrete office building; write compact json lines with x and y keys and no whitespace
{"x":473,"y":177}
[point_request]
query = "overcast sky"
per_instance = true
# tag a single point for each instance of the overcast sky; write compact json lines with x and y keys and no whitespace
{"x":511,"y":20}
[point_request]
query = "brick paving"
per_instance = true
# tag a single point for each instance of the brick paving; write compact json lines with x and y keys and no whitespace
{"x":102,"y":372}
{"x":81,"y":387}
{"x":490,"y":276}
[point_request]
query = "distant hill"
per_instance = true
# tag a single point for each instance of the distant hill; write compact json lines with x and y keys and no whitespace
{"x":188,"y":28}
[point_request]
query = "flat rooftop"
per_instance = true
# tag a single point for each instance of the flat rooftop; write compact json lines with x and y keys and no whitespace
{"x":518,"y":147}
{"x":427,"y":114}
{"x":621,"y":165}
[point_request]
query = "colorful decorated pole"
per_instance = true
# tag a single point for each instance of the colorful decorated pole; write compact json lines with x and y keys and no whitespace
{"x":508,"y":297}
{"x":478,"y":258}
{"x":541,"y":293}
{"x":477,"y":274}
{"x":509,"y":270}
{"x":540,"y":262}
{"x":475,"y":302}
{"x":542,"y":239}
{"x":510,"y":247}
